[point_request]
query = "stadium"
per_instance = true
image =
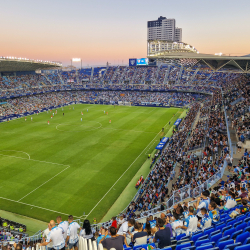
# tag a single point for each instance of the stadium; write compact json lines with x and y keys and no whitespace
{"x":154,"y":154}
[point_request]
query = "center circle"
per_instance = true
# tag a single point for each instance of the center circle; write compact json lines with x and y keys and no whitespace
{"x":79,"y":126}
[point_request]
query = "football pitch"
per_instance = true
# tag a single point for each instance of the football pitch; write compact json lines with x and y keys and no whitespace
{"x":72,"y":166}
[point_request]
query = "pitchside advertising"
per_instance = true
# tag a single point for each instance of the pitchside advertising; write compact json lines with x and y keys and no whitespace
{"x":138,"y":62}
{"x":162,"y":143}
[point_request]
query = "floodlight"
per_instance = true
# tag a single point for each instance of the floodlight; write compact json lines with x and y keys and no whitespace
{"x":76,"y":59}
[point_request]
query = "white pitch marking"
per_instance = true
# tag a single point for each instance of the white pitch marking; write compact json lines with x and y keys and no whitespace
{"x":126,"y":170}
{"x":43,"y":183}
{"x":18,"y":152}
{"x":34,"y":160}
{"x":67,"y":166}
{"x":35,"y":206}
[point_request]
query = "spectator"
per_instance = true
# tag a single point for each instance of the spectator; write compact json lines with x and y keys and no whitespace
{"x":115,"y":241}
{"x":163,"y":235}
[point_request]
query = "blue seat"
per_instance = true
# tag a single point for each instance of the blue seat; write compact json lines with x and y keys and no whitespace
{"x":242,"y":237}
{"x":204,"y":247}
{"x":140,"y":247}
{"x":246,"y":220}
{"x":229,"y":232}
{"x":241,"y":217}
{"x":226,"y":228}
{"x":219,"y":227}
{"x":195,"y":237}
{"x":231,"y":222}
{"x":235,"y":234}
{"x":181,"y":246}
{"x":244,"y":247}
{"x":168,"y":248}
{"x":222,"y":244}
{"x":185,"y":238}
{"x":178,"y":237}
{"x":215,"y":232}
{"x":237,"y":223}
{"x":232,"y":246}
{"x":241,"y":226}
{"x":203,"y":237}
{"x":247,"y":241}
{"x":247,"y":229}
{"x":223,"y":239}
{"x":200,"y":242}
{"x":216,"y":237}
{"x":208,"y":232}
{"x":188,"y":248}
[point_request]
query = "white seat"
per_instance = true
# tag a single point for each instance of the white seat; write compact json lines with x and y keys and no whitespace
{"x":90,"y":244}
{"x":100,"y":246}
{"x":94,"y":245}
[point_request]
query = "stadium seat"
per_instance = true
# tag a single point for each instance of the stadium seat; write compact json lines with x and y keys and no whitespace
{"x":247,"y":229}
{"x":178,"y":237}
{"x":241,"y":226}
{"x":235,"y":234}
{"x":247,"y":220}
{"x":185,"y":237}
{"x":220,"y":226}
{"x":195,"y":237}
{"x":216,"y":237}
{"x":223,"y":244}
{"x":189,"y":248}
{"x":231,"y":222}
{"x":223,"y":239}
{"x":229,"y":232}
{"x":241,"y":217}
{"x":232,"y":246}
{"x":203,"y":237}
{"x":247,"y":241}
{"x":237,"y":223}
{"x":209,"y":231}
{"x":226,"y":228}
{"x":242,"y":237}
{"x":215,"y":232}
{"x":181,"y":246}
{"x":204,"y":247}
{"x":200,"y":242}
{"x":244,"y":247}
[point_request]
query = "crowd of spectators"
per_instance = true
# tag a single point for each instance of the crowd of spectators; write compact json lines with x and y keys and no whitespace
{"x":38,"y":102}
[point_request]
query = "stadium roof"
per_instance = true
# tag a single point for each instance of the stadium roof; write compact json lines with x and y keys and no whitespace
{"x":13,"y":64}
{"x":240,"y":64}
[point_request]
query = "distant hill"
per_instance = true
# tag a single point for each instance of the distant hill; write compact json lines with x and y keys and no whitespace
{"x":247,"y":55}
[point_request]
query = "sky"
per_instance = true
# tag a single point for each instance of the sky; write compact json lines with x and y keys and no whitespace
{"x":101,"y":31}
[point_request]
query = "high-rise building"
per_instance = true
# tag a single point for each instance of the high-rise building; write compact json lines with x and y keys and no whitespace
{"x":164,"y":29}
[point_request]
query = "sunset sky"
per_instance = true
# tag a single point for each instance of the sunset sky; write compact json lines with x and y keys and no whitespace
{"x":107,"y":30}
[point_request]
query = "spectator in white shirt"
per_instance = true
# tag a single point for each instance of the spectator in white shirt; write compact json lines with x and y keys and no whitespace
{"x":72,"y":236}
{"x":45,"y":236}
{"x":230,"y":201}
{"x":124,"y":230}
{"x":56,"y":237}
{"x":64,"y":225}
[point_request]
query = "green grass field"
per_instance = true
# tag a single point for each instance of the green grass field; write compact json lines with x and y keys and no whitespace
{"x":72,"y":166}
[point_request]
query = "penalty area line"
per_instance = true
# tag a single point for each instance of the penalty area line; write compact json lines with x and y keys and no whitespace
{"x":36,"y":206}
{"x":43,"y":183}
